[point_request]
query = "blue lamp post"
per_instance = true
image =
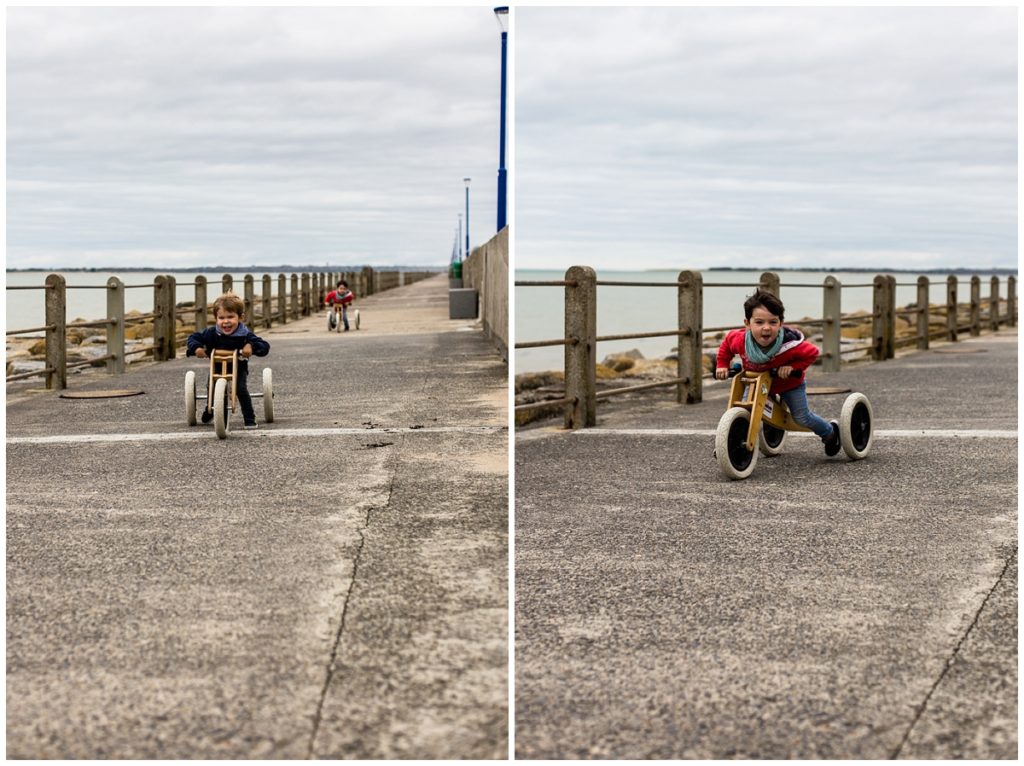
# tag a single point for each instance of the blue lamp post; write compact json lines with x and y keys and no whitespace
{"x":467,"y":216}
{"x":501,"y":14}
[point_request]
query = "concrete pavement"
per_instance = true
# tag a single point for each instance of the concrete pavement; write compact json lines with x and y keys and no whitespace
{"x":332,"y":585}
{"x":819,"y":609}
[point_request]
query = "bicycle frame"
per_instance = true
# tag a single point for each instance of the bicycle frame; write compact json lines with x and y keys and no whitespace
{"x":223,"y":364}
{"x":750,"y":391}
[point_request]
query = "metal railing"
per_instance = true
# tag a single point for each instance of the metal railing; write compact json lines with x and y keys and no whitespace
{"x":580,"y":342}
{"x":297,"y":295}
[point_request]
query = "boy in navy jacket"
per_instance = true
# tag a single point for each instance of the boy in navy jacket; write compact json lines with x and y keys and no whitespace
{"x":229,"y":333}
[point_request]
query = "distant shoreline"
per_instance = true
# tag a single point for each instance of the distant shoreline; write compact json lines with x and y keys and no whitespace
{"x":221,"y":269}
{"x":838,"y":269}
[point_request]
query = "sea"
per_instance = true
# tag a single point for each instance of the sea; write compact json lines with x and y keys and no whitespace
{"x":540,"y":311}
{"x":27,"y":308}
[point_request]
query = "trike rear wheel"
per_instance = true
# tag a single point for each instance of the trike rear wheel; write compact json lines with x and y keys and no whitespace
{"x":190,"y":397}
{"x":734,"y":459}
{"x":856,"y":426}
{"x":268,"y":395}
{"x":770,"y":439}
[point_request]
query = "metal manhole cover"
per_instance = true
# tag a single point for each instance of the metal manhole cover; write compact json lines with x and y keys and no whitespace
{"x":111,"y":394}
{"x":827,"y":390}
{"x":961,"y":350}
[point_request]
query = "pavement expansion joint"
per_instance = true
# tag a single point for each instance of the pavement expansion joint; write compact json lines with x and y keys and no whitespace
{"x":952,"y":657}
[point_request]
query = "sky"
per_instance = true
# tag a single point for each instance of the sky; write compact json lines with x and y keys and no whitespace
{"x":765,"y":137}
{"x":184,"y":137}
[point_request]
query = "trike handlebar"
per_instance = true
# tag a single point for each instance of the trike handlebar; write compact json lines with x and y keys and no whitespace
{"x":737,"y":368}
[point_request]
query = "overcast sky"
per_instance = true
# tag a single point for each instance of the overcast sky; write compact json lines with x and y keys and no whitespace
{"x":755,"y":137}
{"x":178,"y":137}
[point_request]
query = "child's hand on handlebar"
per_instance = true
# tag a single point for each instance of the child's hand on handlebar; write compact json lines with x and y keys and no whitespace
{"x":247,"y":350}
{"x":785,"y":372}
{"x":201,"y":352}
{"x":722,"y":373}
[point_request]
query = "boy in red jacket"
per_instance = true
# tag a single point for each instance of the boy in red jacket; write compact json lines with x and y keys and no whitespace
{"x":341,"y":294}
{"x":765,"y":344}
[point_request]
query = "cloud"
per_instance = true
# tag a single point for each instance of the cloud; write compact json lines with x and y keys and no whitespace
{"x":249,"y":135}
{"x":691,"y":137}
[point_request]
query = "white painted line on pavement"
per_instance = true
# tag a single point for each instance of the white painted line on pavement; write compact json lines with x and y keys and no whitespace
{"x":881,"y":433}
{"x":206,"y":433}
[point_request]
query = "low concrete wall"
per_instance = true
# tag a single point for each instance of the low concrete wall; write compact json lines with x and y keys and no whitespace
{"x":486,"y":271}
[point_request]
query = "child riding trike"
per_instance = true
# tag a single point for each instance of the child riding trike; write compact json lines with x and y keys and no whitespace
{"x":222,"y":383}
{"x":754,"y":418}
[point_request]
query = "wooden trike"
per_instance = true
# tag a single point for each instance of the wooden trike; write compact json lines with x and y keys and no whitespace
{"x":334,"y":319}
{"x":756,"y":418}
{"x":224,"y":385}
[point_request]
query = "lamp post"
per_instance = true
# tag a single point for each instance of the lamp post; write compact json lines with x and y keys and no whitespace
{"x":467,"y":215}
{"x":458,"y":237}
{"x":501,"y":14}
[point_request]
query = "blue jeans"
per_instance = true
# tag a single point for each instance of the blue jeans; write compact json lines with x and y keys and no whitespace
{"x":796,"y":400}
{"x":344,"y":315}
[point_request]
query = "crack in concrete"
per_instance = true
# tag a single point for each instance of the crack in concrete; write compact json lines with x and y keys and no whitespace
{"x":951,"y":659}
{"x":332,"y":660}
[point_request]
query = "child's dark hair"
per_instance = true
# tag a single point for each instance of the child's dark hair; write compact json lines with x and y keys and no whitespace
{"x":766,"y":300}
{"x":229,"y":302}
{"x":342,"y":283}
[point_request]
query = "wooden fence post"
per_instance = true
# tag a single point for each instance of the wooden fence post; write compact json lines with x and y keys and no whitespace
{"x":993,"y":305}
{"x":975,"y":306}
{"x":952,"y":309}
{"x":581,"y":352}
{"x":56,"y":327}
{"x":282,"y":298}
{"x":248,"y":295}
{"x":690,"y":348}
{"x":890,"y":322}
{"x":267,"y":304}
{"x":163,"y":314}
{"x":115,"y":330}
{"x":832,"y":330}
{"x":295,"y":296}
{"x":881,"y":329}
{"x":1011,"y":301}
{"x":227,"y":284}
{"x":769,"y":281}
{"x":202,"y":309}
{"x":923,"y":331}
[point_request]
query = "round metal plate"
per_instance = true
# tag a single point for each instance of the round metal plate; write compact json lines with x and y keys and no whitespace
{"x":827,"y":390}
{"x":961,"y":350}
{"x":111,"y":394}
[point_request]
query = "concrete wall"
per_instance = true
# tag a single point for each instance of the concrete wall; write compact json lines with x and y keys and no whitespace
{"x":486,"y":271}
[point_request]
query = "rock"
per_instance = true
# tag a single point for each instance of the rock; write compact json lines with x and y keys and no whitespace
{"x":38,"y":348}
{"x":531,"y":380}
{"x":605,"y":373}
{"x":139,"y":331}
{"x":619,"y":362}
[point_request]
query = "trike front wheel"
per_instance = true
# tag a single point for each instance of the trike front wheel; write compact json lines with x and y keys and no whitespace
{"x":734,"y":459}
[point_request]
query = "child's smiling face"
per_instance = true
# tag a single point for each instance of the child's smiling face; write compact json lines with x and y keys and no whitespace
{"x":227,"y":321}
{"x":764,"y":325}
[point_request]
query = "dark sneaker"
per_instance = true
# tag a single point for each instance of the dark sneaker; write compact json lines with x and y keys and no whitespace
{"x":207,"y":416}
{"x":250,"y":426}
{"x":832,"y":443}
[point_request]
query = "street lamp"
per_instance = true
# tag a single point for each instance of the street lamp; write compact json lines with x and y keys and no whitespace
{"x":458,"y":237}
{"x":467,"y":215}
{"x":501,"y":14}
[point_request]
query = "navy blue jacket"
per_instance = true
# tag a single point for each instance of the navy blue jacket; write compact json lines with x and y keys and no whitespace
{"x":212,"y":338}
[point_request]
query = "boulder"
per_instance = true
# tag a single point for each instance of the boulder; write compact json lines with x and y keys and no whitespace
{"x":38,"y":348}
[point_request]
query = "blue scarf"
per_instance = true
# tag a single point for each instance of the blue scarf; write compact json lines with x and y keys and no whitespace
{"x":757,"y":353}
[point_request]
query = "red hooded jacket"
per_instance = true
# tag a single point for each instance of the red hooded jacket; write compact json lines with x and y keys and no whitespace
{"x":795,"y":352}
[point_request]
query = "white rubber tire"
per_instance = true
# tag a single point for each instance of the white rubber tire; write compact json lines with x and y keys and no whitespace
{"x":767,"y":449}
{"x":355,"y":317}
{"x":332,"y":321}
{"x":732,"y":431}
{"x":221,"y":421}
{"x":190,"y":397}
{"x":268,"y":395}
{"x":856,"y":426}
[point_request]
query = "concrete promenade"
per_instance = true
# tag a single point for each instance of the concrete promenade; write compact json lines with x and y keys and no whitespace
{"x":331,"y":585}
{"x":819,"y":609}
